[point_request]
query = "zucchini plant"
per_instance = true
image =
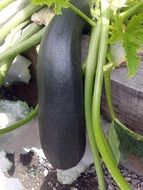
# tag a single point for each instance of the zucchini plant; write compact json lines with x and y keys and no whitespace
{"x":111,"y":22}
{"x":61,"y":113}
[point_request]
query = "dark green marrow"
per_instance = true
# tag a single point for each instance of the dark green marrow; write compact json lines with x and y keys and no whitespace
{"x":60,"y":90}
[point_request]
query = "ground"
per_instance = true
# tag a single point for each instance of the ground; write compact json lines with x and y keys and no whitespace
{"x":37,"y":174}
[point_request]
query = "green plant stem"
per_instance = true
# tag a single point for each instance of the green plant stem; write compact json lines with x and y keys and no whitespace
{"x":20,"y":123}
{"x":20,"y":27}
{"x":133,"y":10}
{"x":30,"y":30}
{"x":130,"y":132}
{"x":99,"y":71}
{"x":24,"y":45}
{"x":89,"y":81}
{"x":107,"y":69}
{"x":4,"y":3}
{"x":5,"y":65}
{"x":107,"y":75}
{"x":82,"y":15}
{"x":98,"y":131}
{"x":17,"y":19}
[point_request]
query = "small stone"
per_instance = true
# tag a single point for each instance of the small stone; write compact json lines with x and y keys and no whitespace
{"x":135,"y":181}
{"x":109,"y":181}
{"x":128,"y":179}
{"x":49,"y":165}
{"x":139,"y":187}
{"x":142,"y":183}
{"x":46,"y":172}
{"x":125,"y":173}
{"x":50,"y":184}
{"x":134,"y":176}
{"x":111,"y":187}
{"x":57,"y":184}
{"x":74,"y":188}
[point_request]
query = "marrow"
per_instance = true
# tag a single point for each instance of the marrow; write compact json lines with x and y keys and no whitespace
{"x":60,"y":89}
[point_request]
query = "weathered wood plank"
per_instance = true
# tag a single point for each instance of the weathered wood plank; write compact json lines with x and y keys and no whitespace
{"x":127,"y":95}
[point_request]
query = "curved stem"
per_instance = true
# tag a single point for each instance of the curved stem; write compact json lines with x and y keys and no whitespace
{"x":89,"y":80}
{"x":21,"y":122}
{"x":133,"y":10}
{"x":107,"y":69}
{"x":18,"y":18}
{"x":81,"y":14}
{"x":98,"y":131}
{"x":107,"y":73}
{"x":136,"y":136}
{"x":24,"y":45}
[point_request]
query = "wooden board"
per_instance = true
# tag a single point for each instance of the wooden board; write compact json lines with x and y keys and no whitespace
{"x":128,"y":103}
{"x":127,"y":96}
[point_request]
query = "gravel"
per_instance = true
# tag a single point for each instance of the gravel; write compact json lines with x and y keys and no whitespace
{"x":36,"y":173}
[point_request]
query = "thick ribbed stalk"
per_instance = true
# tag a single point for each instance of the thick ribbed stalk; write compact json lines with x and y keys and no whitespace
{"x":89,"y":81}
{"x":107,"y":73}
{"x":24,"y":45}
{"x":4,"y":3}
{"x":82,"y":15}
{"x":20,"y":17}
{"x":98,"y":131}
{"x":5,"y":65}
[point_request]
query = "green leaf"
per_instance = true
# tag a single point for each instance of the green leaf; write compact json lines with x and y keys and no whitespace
{"x":116,"y":30}
{"x":114,"y":142}
{"x":58,"y":4}
{"x":131,"y":38}
{"x":131,"y":3}
{"x":132,"y":59}
{"x":135,"y":29}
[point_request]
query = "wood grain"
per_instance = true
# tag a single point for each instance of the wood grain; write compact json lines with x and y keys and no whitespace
{"x":127,"y":95}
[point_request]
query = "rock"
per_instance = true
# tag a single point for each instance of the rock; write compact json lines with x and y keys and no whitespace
{"x":142,"y":184}
{"x":22,"y":140}
{"x":110,"y":187}
{"x":70,"y":175}
{"x":46,"y":172}
{"x":74,"y":188}
{"x":129,"y":179}
{"x":9,"y":183}
{"x":5,"y":182}
{"x":135,"y":182}
{"x":44,"y":16}
{"x":18,"y":71}
{"x":5,"y":164}
{"x":11,"y":111}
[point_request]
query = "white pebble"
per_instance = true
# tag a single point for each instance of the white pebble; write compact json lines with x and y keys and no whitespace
{"x":46,"y":172}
